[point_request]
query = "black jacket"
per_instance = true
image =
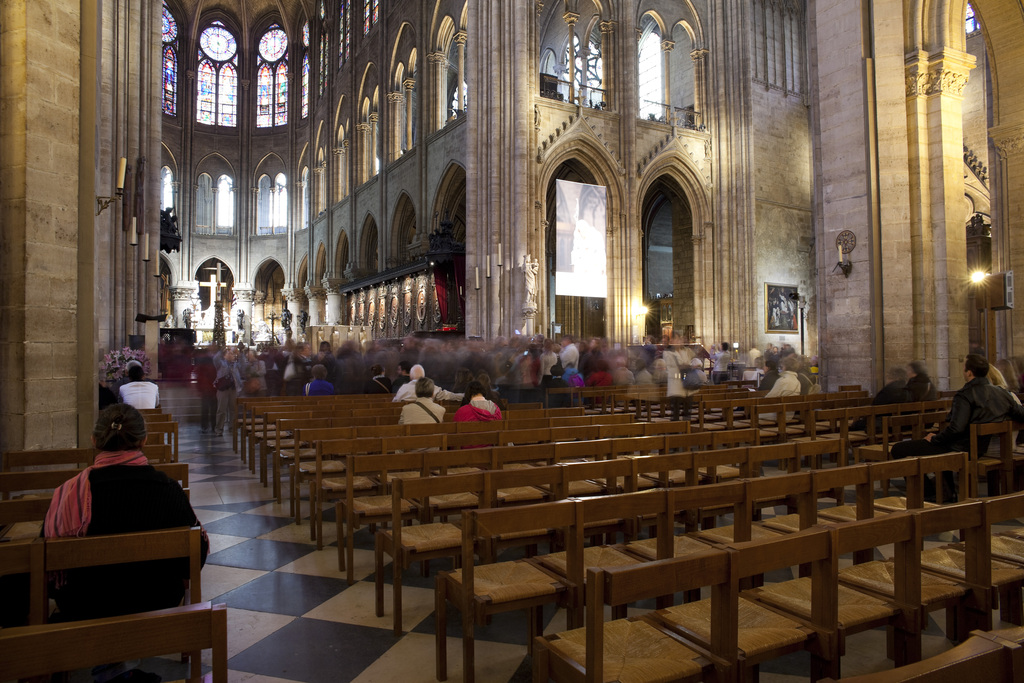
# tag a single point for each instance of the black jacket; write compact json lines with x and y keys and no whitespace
{"x":921,"y":388}
{"x":978,"y":402}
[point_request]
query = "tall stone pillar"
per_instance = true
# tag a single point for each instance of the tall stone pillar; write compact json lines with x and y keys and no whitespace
{"x":259,"y":308}
{"x":571,"y":18}
{"x":245,"y":293}
{"x":666,"y":69}
{"x":181,"y":298}
{"x":393,"y":140}
{"x":333,"y":288}
{"x":408,"y":84}
{"x":935,"y":85}
{"x":372,"y":147}
{"x":438,"y":65}
{"x":460,"y":41}
{"x":607,"y":48}
{"x":1009,"y":173}
{"x":363,"y":171}
{"x":317,"y":303}
{"x":700,"y":83}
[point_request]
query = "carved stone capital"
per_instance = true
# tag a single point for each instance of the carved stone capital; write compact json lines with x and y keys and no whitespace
{"x":461,"y":37}
{"x":667,"y":45}
{"x":699,"y":55}
{"x":332,"y":285}
{"x":259,"y":298}
{"x":571,"y":18}
{"x":315,"y":293}
{"x":409,"y":84}
{"x":607,"y":27}
{"x":295,"y":296}
{"x":374,"y":117}
{"x":363,"y":128}
{"x":941,"y":74}
{"x":1009,"y":141}
{"x":245,"y":293}
{"x":396,"y":97}
{"x":181,"y":293}
{"x":438,"y":58}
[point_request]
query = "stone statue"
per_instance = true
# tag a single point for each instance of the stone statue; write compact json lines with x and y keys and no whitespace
{"x":530,"y":269}
{"x":286,"y":320}
{"x":186,"y":318}
{"x":241,"y":320}
{"x":303,"y":320}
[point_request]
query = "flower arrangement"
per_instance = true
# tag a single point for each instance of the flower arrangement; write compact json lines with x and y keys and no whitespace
{"x":115,"y":362}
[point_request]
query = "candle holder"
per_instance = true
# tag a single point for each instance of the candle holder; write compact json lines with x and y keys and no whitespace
{"x":845,"y":265}
{"x":847,"y":242}
{"x":102,"y":203}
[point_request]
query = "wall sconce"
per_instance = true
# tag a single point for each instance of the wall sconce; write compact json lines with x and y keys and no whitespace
{"x":103,"y":202}
{"x":846,"y":242}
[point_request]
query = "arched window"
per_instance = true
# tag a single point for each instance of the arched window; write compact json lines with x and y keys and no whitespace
{"x":588,"y":67}
{"x":305,"y":70}
{"x":217,"y":77}
{"x":453,"y":77}
{"x":651,"y":87}
{"x":324,"y":49}
{"x":170,"y":63}
{"x":272,"y":79}
{"x":166,"y":188}
{"x":263,"y":200}
{"x":280,"y":205}
{"x":344,"y":32}
{"x":371,"y":12}
{"x":225,"y":205}
{"x":204,"y":204}
{"x":305,"y":197}
{"x":971,"y":21}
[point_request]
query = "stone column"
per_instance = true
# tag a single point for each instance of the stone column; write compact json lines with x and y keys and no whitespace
{"x":372,"y":148}
{"x":339,"y":177}
{"x":700,"y":77}
{"x":571,"y":18}
{"x":319,"y":182}
{"x":181,"y":298}
{"x":460,"y":41}
{"x":333,"y":288}
{"x":408,"y":84}
{"x":245,"y":294}
{"x":935,"y":85}
{"x":393,"y":140}
{"x":363,"y":172}
{"x":316,"y":297}
{"x":438,"y":64}
{"x":259,"y":308}
{"x":607,"y":49}
{"x":1008,"y":172}
{"x":666,"y":66}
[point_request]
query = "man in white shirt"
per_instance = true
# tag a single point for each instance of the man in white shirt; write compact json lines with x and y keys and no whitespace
{"x":407,"y":392}
{"x":570,"y":354}
{"x":139,"y":393}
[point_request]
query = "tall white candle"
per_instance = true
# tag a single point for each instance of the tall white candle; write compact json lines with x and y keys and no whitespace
{"x":133,"y":239}
{"x":477,"y":270}
{"x":840,"y":253}
{"x":488,"y":265}
{"x":499,"y":254}
{"x":145,"y":246}
{"x":121,"y":168}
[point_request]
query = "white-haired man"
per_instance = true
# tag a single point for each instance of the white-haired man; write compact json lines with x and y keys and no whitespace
{"x":407,"y":392}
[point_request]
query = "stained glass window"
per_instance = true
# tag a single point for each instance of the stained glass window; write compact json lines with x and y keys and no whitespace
{"x":225,"y":205}
{"x":324,"y":51}
{"x":305,"y":86}
{"x":217,"y":83}
{"x":207,"y":93}
{"x":305,"y":197}
{"x":272,"y":79}
{"x":650,"y":63}
{"x":170,"y":63}
{"x":305,"y":34}
{"x":227,"y":93}
{"x":166,"y":188}
{"x":344,"y":32}
{"x":971,"y":23}
{"x":281,"y":112}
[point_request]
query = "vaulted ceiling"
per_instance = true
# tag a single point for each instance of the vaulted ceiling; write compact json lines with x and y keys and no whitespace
{"x":249,"y":12}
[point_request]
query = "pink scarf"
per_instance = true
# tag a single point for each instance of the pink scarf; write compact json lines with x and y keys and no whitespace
{"x":71,"y":508}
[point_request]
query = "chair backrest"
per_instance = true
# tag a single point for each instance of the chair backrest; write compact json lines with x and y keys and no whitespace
{"x":34,"y":651}
{"x":70,"y":457}
{"x":26,"y":557}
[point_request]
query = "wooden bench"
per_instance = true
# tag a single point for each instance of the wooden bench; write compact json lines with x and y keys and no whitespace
{"x":31,"y":651}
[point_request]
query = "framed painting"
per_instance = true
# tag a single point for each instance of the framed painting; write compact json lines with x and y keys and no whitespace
{"x":781,"y":314}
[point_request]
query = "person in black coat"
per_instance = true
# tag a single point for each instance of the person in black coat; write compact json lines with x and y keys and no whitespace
{"x":919,"y":384}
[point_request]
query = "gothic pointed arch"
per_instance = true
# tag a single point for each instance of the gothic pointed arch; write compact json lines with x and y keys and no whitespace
{"x":450,"y":201}
{"x":341,"y":255}
{"x":403,"y":232}
{"x":369,"y":246}
{"x":320,"y":269}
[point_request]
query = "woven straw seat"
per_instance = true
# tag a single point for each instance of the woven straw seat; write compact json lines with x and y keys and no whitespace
{"x":713,"y":426}
{"x":426,"y":537}
{"x":583,"y":487}
{"x":520,"y":494}
{"x":784,"y":523}
{"x":508,"y":581}
{"x":952,"y":561}
{"x":462,"y":470}
{"x":634,"y":652}
{"x":879,"y":576}
{"x":839,"y":513}
{"x":377,"y":505}
{"x":408,"y":474}
{"x":450,"y":501}
{"x":760,"y":630}
{"x":287,"y":443}
{"x":1009,"y":547}
{"x":327,"y":467}
{"x":855,"y":608}
{"x":742,"y":424}
{"x":597,"y":556}
{"x":722,"y":472}
{"x":724,"y":534}
{"x":896,"y":504}
{"x":682,"y":545}
{"x":358,"y":484}
{"x":675,"y":478}
{"x":304,"y":454}
{"x":857,"y":436}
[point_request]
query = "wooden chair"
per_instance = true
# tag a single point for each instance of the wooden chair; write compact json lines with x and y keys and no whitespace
{"x":481,"y":591}
{"x":424,"y":541}
{"x":32,"y":651}
{"x":164,"y":432}
{"x":27,"y":557}
{"x":61,"y":457}
{"x":998,"y":471}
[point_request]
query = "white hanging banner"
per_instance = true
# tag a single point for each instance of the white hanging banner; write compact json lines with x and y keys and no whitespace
{"x":581,"y":262}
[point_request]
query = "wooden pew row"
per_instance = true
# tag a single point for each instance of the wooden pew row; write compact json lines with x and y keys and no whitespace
{"x":32,"y":651}
{"x":71,"y":457}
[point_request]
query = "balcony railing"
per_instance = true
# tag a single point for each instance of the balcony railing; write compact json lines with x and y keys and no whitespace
{"x":554,"y":88}
{"x":683,"y":117}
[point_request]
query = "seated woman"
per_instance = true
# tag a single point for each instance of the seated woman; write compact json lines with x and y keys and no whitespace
{"x":476,"y":407}
{"x":319,"y":386}
{"x":378,"y":383}
{"x":120,"y":493}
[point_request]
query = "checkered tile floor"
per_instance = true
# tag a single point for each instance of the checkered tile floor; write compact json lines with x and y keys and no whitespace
{"x":292,"y":617}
